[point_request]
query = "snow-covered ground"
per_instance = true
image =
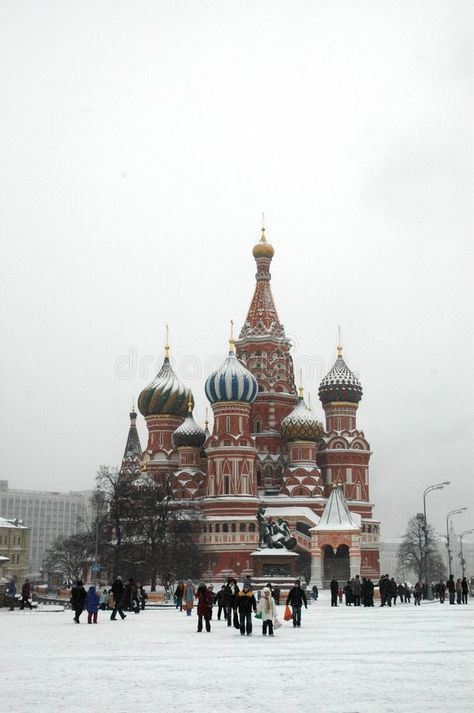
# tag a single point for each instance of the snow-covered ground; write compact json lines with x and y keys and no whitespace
{"x":344,"y":660}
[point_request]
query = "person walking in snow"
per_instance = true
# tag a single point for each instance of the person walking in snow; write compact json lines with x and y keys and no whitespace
{"x":464,"y":589}
{"x":221,"y":603}
{"x":418,"y":593}
{"x":117,"y":591}
{"x":204,"y":597}
{"x":11,"y":593}
{"x":78,"y":599}
{"x":441,"y":591}
{"x":104,"y":600}
{"x":451,"y":587}
{"x":268,"y":609}
{"x":189,"y":595}
{"x":355,"y":584}
{"x":348,"y":593}
{"x":334,"y":591}
{"x":25,"y":595}
{"x":232,"y":614}
{"x":179,"y":595}
{"x":92,"y":605}
{"x":296,"y":599}
{"x":246,"y":604}
{"x":458,"y":591}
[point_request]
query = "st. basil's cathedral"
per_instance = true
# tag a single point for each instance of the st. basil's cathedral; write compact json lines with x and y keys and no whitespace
{"x":270,"y":473}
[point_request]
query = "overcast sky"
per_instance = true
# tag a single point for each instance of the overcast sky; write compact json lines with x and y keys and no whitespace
{"x":140,"y":143}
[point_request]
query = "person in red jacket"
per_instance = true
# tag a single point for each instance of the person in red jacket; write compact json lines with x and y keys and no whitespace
{"x":204,"y":597}
{"x":25,"y":595}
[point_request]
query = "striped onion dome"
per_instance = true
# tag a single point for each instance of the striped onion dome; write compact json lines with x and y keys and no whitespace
{"x":232,"y":381}
{"x":340,"y":384}
{"x":189,"y":433}
{"x":300,"y":424}
{"x":166,"y":395}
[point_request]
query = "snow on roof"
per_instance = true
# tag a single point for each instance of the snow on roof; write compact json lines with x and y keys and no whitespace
{"x":292,"y":511}
{"x":270,"y":552}
{"x":4,"y":559}
{"x":10,"y":523}
{"x":336,"y":515}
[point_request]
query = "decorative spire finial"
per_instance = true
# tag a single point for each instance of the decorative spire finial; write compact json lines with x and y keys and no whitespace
{"x":167,"y":346}
{"x":190,"y":405}
{"x":339,"y":344}
{"x":301,"y":390}
{"x":206,"y":422}
{"x":231,"y":340}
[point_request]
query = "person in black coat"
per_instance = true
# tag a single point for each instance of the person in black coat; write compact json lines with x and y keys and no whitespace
{"x":221,"y":600}
{"x":451,"y":587}
{"x":78,"y":600}
{"x":334,"y":590}
{"x":246,"y":604}
{"x":233,"y":599}
{"x":117,"y":591}
{"x":296,"y":598}
{"x":348,"y":593}
{"x":464,"y":590}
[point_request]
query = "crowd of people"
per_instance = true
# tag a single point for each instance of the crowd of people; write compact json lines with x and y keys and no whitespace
{"x":237,"y":607}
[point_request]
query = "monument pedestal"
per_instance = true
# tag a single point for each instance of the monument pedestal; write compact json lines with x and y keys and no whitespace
{"x":277,"y":566}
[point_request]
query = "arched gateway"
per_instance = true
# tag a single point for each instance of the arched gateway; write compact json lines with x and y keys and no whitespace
{"x":335,"y":543}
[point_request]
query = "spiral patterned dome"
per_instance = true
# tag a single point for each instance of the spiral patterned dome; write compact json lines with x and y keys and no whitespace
{"x":340,"y":384}
{"x":166,"y":395}
{"x":231,"y":382}
{"x":189,"y":433}
{"x":263,"y":248}
{"x":300,"y":424}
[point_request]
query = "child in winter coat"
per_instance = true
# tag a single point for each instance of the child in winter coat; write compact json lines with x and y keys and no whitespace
{"x":92,"y":605}
{"x":268,"y":609}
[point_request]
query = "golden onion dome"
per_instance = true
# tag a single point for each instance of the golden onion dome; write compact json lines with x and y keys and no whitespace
{"x":300,"y":424}
{"x":263,"y":248}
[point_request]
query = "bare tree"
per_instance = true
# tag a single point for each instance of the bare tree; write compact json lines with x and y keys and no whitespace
{"x":411,"y":553}
{"x":69,"y":556}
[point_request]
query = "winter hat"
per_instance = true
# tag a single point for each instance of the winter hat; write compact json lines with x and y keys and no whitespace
{"x":246,"y":586}
{"x":119,"y":578}
{"x":265,"y":590}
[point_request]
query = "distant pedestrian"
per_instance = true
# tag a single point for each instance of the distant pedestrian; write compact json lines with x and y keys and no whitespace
{"x":142,"y":596}
{"x":204,"y":597}
{"x":189,"y":595}
{"x":356,"y":591}
{"x":296,"y":599}
{"x":458,"y":591}
{"x":11,"y":593}
{"x":179,"y":595}
{"x":92,"y":605}
{"x":451,"y":587}
{"x":221,"y":603}
{"x":441,"y":591}
{"x":246,"y":603}
{"x":212,"y":598}
{"x":268,"y":609}
{"x":465,"y":590}
{"x":118,"y":591}
{"x":334,"y":591}
{"x":276,"y":594}
{"x":78,"y":600}
{"x":25,"y":595}
{"x":104,"y":600}
{"x":314,"y":593}
{"x":348,"y":593}
{"x":418,"y":593}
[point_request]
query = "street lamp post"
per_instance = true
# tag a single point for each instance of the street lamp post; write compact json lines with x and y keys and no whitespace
{"x":438,"y":486}
{"x":448,"y":516}
{"x":463,"y":563}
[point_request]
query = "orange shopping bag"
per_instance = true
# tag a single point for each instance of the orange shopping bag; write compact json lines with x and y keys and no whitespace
{"x":287,"y":615}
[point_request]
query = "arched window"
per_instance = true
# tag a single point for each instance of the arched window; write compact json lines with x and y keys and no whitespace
{"x":218,"y":527}
{"x":227,"y":424}
{"x":242,"y":527}
{"x":225,"y":527}
{"x":233,"y":527}
{"x":257,"y":427}
{"x":210,"y":529}
{"x":252,"y":527}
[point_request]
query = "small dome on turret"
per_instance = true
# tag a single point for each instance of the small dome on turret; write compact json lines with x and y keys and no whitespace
{"x":263,"y":248}
{"x":166,"y":395}
{"x":189,"y":433}
{"x":340,"y":383}
{"x":300,"y":424}
{"x":232,"y":381}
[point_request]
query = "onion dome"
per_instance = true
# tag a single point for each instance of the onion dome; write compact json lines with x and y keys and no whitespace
{"x":263,"y":247}
{"x":166,"y":395}
{"x":189,"y":433}
{"x":300,"y":424}
{"x":340,"y":383}
{"x":232,"y":381}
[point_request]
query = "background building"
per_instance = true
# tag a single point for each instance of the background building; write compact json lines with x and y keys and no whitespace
{"x":46,"y":514}
{"x":14,"y":544}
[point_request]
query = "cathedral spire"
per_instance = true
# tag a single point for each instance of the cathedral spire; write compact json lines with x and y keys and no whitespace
{"x":262,"y":318}
{"x":133,"y":450}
